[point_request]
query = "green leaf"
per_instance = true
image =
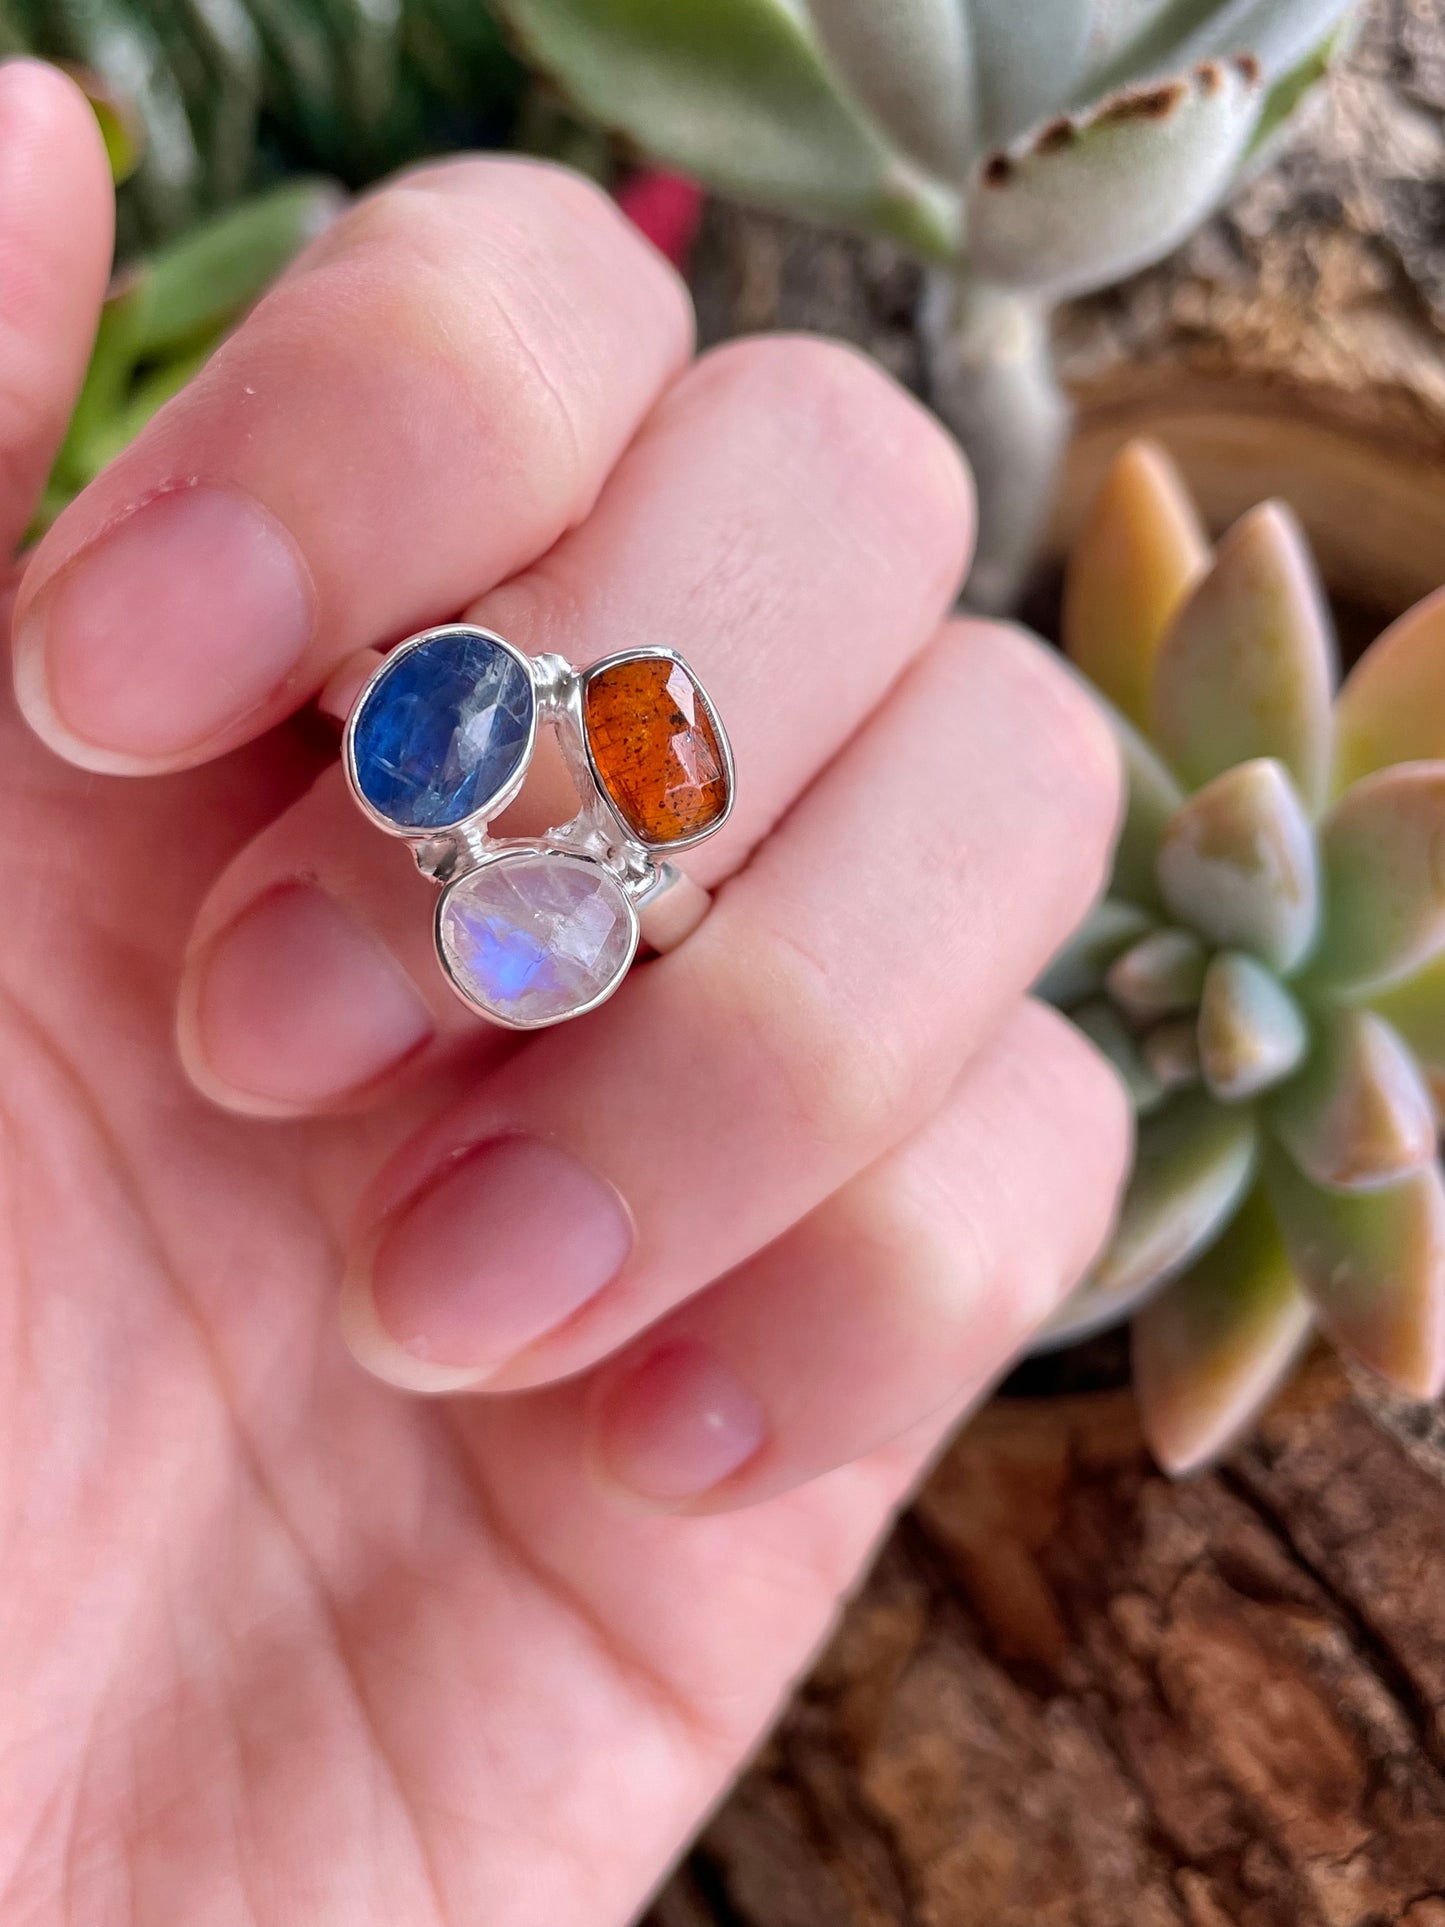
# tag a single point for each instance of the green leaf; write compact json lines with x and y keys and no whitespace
{"x":1279,"y":34}
{"x":1416,"y":1009}
{"x":1359,"y":1114}
{"x":1248,"y":668}
{"x":1383,"y":853}
{"x":737,"y":92}
{"x":1151,"y":796}
{"x":1392,"y":706}
{"x":1237,"y":864}
{"x":1251,"y":1033}
{"x":1211,"y":1349}
{"x":1026,"y":59}
{"x":1373,"y":1263}
{"x":1079,"y":969}
{"x":1195,"y":1161}
{"x":908,"y":64}
{"x":210,"y":276}
{"x":1171,"y":1051}
{"x":1159,"y":976}
{"x":1141,"y":550}
{"x":1087,"y":203}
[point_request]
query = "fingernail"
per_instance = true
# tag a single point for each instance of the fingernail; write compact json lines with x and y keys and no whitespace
{"x":172,"y":626}
{"x":677,"y":1426}
{"x":296,"y":1004}
{"x":506,"y":1244}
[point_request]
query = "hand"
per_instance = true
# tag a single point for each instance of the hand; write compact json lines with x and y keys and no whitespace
{"x":722,"y":1262}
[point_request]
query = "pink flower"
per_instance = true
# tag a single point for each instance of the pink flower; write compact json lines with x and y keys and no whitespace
{"x":667,"y":208}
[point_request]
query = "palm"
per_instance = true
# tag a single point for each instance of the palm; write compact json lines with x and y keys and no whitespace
{"x":274,"y":1638}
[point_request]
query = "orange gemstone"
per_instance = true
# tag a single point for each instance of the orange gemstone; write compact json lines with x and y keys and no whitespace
{"x":655,"y":748}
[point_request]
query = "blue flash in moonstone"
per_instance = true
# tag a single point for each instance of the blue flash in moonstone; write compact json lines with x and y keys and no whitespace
{"x":442,"y":731}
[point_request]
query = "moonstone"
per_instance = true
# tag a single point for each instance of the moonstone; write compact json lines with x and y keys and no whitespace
{"x":532,"y":937}
{"x":442,"y":730}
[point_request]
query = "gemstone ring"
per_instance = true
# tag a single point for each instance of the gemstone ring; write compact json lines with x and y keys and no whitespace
{"x":530,"y":931}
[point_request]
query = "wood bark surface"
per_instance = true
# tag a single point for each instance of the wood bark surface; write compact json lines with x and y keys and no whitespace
{"x":1073,"y":1694}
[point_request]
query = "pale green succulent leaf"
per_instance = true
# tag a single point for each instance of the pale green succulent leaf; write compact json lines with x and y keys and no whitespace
{"x":1159,"y":976}
{"x":1195,"y":1161}
{"x":1237,"y":864}
{"x":1085,"y":204}
{"x":1211,"y":1348}
{"x":740,"y":93}
{"x":1279,"y":34}
{"x":1392,"y":706}
{"x":1107,"y":1032}
{"x":1359,"y":1114}
{"x":1373,"y":1265}
{"x":1248,"y":667}
{"x":1171,"y":1051}
{"x":1382,"y":848}
{"x":1141,"y":550}
{"x":1079,"y":969}
{"x":1026,"y":61}
{"x":1416,"y":1010}
{"x":1252,"y":1034}
{"x":909,"y":64}
{"x":1151,"y":796}
{"x":1285,"y":98}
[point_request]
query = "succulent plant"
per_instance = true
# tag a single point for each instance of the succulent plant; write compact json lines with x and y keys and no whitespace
{"x":1267,"y":969}
{"x":1034,"y":149}
{"x":165,"y":313}
{"x":205,"y":100}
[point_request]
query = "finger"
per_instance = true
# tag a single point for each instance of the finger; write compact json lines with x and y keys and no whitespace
{"x":56,"y":231}
{"x":789,"y":519}
{"x":419,"y":409}
{"x":818,"y":1016}
{"x":903,"y":1295}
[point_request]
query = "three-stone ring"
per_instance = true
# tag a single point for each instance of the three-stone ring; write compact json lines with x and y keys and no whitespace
{"x":530,"y":931}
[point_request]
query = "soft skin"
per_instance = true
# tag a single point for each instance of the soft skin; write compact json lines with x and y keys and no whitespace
{"x":707,"y":1275}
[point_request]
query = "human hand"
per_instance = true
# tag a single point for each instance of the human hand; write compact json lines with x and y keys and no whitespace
{"x":721,"y":1262}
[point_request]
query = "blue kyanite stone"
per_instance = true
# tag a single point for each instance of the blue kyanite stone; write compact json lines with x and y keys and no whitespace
{"x":442,"y":731}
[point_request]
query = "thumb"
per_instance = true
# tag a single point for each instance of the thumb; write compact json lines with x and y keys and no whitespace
{"x":56,"y":236}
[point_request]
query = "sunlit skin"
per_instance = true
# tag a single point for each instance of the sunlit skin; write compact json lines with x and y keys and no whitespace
{"x":280,"y":1644}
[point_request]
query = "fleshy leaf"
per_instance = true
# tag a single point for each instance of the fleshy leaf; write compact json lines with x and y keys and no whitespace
{"x":1159,"y":976}
{"x":909,"y":65}
{"x":1213,"y":1346}
{"x":1237,"y":864}
{"x":1079,"y":969}
{"x":1279,"y":34}
{"x":1171,"y":1051}
{"x":1086,"y":203}
{"x":1251,"y":1033}
{"x":1107,"y":1032}
{"x":1383,"y":852}
{"x":1140,"y":551}
{"x":1373,"y":1263}
{"x":1151,"y":796}
{"x":1359,"y":1114}
{"x":1248,"y":666}
{"x":1194,"y":1163}
{"x":1416,"y":1009}
{"x":1392,"y":706}
{"x":1026,"y":59}
{"x":739,"y":93}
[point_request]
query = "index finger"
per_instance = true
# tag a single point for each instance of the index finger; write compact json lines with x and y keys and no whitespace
{"x":419,"y":409}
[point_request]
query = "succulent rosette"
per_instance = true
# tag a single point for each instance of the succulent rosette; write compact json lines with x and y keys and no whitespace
{"x":1267,"y":970}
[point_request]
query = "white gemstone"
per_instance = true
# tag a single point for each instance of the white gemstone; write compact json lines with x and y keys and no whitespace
{"x":532,"y":936}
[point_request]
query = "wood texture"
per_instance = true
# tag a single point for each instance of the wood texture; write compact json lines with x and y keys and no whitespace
{"x":1073,"y":1694}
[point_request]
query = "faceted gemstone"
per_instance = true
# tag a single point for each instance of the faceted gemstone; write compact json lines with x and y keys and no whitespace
{"x":534,"y":936}
{"x":655,"y":748}
{"x":442,"y":730}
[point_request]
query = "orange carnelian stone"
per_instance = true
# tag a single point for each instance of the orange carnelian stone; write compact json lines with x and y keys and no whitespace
{"x":655,"y":749}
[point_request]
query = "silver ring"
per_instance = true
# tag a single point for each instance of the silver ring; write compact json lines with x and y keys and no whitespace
{"x":532,"y":931}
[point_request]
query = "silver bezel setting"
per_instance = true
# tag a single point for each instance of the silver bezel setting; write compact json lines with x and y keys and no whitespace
{"x":500,"y":855}
{"x":492,"y":805}
{"x":657,"y":655}
{"x":597,"y":835}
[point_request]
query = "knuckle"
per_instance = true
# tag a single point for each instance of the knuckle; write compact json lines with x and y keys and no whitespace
{"x":838,"y":1077}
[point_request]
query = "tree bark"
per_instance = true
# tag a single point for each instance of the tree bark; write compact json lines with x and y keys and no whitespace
{"x":1074,"y":1694}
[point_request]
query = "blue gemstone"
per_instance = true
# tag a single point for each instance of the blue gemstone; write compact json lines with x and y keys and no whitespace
{"x":442,"y":731}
